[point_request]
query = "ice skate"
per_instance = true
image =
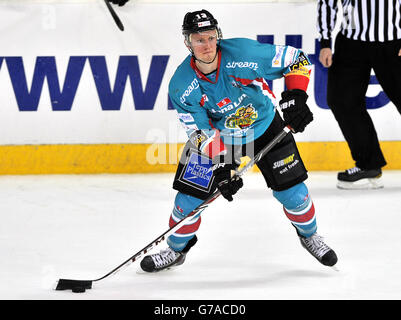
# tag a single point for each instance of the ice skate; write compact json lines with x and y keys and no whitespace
{"x":164,"y":260}
{"x":317,"y":248}
{"x":358,"y":179}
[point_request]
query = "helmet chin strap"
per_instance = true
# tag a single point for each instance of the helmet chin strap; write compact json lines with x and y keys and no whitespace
{"x":195,"y":58}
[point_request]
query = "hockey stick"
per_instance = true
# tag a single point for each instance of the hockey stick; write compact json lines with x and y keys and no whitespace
{"x":82,"y":285}
{"x":115,"y":16}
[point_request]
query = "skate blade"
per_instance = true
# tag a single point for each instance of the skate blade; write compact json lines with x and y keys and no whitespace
{"x":363,"y":184}
{"x":335,"y":268}
{"x":141,"y":272}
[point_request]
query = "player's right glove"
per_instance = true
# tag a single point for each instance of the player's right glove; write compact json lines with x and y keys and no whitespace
{"x":227,"y":186}
{"x":119,"y":2}
{"x":296,"y":112}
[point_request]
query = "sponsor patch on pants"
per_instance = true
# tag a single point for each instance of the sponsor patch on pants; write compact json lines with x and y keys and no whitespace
{"x":198,"y":171}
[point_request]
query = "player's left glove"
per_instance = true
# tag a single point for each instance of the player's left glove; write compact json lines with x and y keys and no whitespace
{"x":296,"y":112}
{"x":227,"y":186}
{"x":119,"y":2}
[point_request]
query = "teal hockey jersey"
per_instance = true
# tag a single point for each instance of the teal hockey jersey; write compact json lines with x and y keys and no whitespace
{"x":235,"y":101}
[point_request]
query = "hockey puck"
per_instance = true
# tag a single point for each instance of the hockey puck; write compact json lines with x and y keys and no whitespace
{"x":78,"y":289}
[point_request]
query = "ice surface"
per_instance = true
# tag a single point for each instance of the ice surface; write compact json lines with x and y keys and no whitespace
{"x":83,"y":226}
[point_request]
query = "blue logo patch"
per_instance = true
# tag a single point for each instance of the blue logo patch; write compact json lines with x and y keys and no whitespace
{"x":198,"y":170}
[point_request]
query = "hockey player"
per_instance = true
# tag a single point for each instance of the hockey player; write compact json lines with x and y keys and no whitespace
{"x":228,"y":110}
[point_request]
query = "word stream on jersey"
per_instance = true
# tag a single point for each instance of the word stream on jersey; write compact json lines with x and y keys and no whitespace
{"x":144,"y":96}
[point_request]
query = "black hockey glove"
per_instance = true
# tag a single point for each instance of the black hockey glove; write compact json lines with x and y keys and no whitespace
{"x":227,"y":186}
{"x":296,"y":113}
{"x":119,"y":2}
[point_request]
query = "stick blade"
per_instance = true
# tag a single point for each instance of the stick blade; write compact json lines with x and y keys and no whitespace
{"x":115,"y":16}
{"x":68,"y":284}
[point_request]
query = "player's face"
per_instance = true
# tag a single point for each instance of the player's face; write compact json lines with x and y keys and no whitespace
{"x":204,"y":45}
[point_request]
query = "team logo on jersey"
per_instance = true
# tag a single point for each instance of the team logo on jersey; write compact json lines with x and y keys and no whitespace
{"x":223,"y":102}
{"x":242,"y":118}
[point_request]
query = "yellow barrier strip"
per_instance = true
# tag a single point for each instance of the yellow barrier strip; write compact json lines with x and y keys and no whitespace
{"x":326,"y":156}
{"x":147,"y":158}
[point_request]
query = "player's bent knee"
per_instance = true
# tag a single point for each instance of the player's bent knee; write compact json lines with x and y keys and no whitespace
{"x":184,"y":204}
{"x":292,"y":197}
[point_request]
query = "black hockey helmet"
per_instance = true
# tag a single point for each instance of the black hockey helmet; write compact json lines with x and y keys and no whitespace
{"x":199,"y":21}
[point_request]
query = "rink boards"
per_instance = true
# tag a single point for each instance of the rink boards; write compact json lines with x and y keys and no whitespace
{"x":80,"y":96}
{"x":143,"y":158}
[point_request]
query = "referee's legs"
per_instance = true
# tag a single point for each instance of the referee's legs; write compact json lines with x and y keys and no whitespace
{"x":387,"y":67}
{"x":348,"y":80}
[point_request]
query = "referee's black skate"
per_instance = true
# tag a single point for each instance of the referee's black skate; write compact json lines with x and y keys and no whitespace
{"x":356,"y":178}
{"x":166,"y":258}
{"x":317,"y":248}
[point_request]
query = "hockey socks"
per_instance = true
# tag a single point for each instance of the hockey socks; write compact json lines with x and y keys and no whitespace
{"x":299,"y":208}
{"x":180,"y":241}
{"x":184,"y":205}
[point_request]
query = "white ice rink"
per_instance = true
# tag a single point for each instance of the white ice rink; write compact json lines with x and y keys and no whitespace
{"x":82,"y":226}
